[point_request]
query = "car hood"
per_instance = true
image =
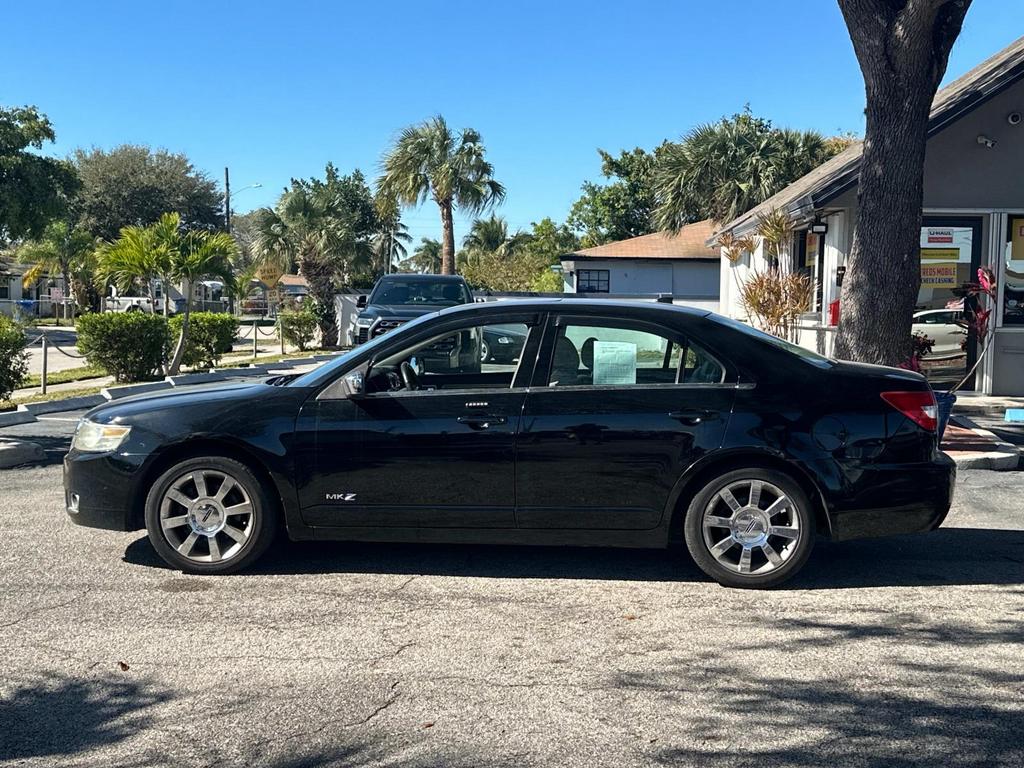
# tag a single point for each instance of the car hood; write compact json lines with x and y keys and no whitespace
{"x":205,"y":394}
{"x":400,"y":311}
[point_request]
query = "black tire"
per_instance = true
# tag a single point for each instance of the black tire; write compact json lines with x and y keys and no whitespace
{"x":258,"y":527}
{"x":747,"y":525}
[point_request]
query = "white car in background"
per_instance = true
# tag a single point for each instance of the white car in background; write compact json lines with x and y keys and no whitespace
{"x":940,"y":325}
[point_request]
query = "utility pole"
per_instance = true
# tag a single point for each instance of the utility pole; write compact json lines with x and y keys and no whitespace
{"x":227,"y":201}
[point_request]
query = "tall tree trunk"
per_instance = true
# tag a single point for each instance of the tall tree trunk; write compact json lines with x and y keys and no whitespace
{"x":321,"y":287}
{"x":902,"y":48}
{"x":447,"y":238}
{"x":179,"y":350}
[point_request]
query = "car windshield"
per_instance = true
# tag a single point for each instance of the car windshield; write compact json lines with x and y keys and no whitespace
{"x":775,"y":341}
{"x":399,"y":292}
{"x":325,"y":372}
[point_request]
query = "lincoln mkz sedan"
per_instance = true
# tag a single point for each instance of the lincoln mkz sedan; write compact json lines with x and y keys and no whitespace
{"x":617,"y":424}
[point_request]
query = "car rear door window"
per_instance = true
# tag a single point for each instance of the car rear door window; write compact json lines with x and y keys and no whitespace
{"x":607,"y":355}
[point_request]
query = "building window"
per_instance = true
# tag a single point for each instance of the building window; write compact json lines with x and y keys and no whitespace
{"x":1013,"y":279}
{"x":5,"y":288}
{"x":592,"y":280}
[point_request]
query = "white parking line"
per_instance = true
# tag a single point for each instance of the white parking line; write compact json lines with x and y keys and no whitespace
{"x":54,"y":418}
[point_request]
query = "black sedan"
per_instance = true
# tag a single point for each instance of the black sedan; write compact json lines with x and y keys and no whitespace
{"x":618,"y":424}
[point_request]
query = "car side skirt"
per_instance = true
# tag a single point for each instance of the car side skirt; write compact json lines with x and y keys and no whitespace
{"x":650,"y":539}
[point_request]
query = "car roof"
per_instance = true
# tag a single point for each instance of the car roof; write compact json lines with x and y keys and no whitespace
{"x":418,"y":278}
{"x":615,"y":307}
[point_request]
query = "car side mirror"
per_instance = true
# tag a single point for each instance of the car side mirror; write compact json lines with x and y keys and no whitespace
{"x":354,"y":384}
{"x":361,"y":302}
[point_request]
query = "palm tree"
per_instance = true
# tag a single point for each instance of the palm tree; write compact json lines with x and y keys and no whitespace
{"x":309,"y":232}
{"x":489,"y":237}
{"x":721,"y":170}
{"x":391,"y":238}
{"x":163,"y":251}
{"x":430,"y":160}
{"x":196,"y":255}
{"x":426,"y":258}
{"x":134,"y":257}
{"x":67,"y":250}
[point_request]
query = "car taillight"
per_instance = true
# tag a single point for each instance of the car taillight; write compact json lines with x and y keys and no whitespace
{"x":918,"y":406}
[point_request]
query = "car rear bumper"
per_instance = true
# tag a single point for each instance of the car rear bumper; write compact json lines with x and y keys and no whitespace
{"x":887,"y":500}
{"x":99,"y":489}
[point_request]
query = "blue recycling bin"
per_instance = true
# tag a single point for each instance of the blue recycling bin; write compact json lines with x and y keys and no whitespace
{"x":945,"y":402}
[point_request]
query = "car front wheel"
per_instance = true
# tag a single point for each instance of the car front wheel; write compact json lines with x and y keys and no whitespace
{"x":750,"y":528}
{"x":210,"y":515}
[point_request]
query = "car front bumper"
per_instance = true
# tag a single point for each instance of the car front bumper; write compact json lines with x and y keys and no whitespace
{"x":100,"y":490}
{"x":887,"y":500}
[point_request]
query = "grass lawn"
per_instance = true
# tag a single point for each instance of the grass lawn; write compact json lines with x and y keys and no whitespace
{"x":9,"y":405}
{"x":63,"y":377}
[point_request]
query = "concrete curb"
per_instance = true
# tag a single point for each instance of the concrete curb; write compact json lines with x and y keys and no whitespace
{"x":1005,"y":458}
{"x":115,"y":393}
{"x":292,"y":363}
{"x":15,"y":452}
{"x":20,"y":415}
{"x":187,"y":379}
{"x":70,"y":404}
{"x":251,"y":371}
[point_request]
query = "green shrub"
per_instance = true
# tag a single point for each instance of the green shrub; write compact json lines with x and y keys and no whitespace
{"x":13,"y":357}
{"x":130,"y":346}
{"x":210,"y":335}
{"x":299,"y":325}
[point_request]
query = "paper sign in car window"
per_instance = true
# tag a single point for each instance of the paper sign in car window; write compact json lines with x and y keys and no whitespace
{"x":614,"y":362}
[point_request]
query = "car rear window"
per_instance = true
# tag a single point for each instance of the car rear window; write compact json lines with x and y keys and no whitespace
{"x":805,"y":354}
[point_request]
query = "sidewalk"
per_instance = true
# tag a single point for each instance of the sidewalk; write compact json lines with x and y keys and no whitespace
{"x":973,"y":447}
{"x":971,"y":403}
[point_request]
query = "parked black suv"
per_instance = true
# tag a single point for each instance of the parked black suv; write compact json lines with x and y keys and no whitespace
{"x":397,"y":299}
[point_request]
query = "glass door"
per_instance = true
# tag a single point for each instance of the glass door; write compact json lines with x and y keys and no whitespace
{"x":950,"y":256}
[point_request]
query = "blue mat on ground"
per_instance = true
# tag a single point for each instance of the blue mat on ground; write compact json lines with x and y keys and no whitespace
{"x":1014,"y":414}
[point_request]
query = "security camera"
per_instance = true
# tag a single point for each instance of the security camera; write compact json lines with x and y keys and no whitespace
{"x":986,"y":141}
{"x":1014,"y":118}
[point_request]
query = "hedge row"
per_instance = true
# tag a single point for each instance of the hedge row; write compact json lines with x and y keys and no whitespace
{"x":13,"y":358}
{"x":134,"y":346}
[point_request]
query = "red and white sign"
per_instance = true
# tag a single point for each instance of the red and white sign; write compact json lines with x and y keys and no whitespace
{"x":940,"y":235}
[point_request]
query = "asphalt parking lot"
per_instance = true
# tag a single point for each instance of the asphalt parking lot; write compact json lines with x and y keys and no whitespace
{"x":889,"y":652}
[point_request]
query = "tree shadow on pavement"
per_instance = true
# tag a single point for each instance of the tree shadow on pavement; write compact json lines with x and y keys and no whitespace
{"x":948,"y":556}
{"x":63,"y":716}
{"x":914,"y":709}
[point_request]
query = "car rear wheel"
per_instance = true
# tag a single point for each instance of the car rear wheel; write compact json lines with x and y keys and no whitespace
{"x":750,"y":528}
{"x":485,"y":352}
{"x":210,"y":515}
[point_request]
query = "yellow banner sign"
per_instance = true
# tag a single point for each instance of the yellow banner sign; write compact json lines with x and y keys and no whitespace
{"x":938,"y":276}
{"x":940,"y":254}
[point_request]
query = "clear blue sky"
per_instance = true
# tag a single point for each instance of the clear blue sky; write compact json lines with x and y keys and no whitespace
{"x":275,"y":90}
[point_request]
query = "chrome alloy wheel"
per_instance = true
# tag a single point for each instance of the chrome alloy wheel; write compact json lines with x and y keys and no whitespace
{"x":751,"y":527}
{"x":207,"y":516}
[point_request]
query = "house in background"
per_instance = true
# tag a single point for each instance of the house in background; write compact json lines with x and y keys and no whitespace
{"x":294,"y":287}
{"x":681,"y":265}
{"x":40,"y":298}
{"x":973,"y":216}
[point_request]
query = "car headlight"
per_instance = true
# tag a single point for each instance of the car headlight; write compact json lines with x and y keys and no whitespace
{"x":504,"y":340}
{"x":364,"y":322}
{"x":98,"y":437}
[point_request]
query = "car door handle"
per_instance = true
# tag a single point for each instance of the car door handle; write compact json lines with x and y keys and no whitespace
{"x":482,"y":422}
{"x":692,"y":416}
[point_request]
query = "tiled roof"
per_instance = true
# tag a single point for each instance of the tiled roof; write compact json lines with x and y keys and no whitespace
{"x":688,"y":244}
{"x":297,"y":280}
{"x":838,"y":174}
